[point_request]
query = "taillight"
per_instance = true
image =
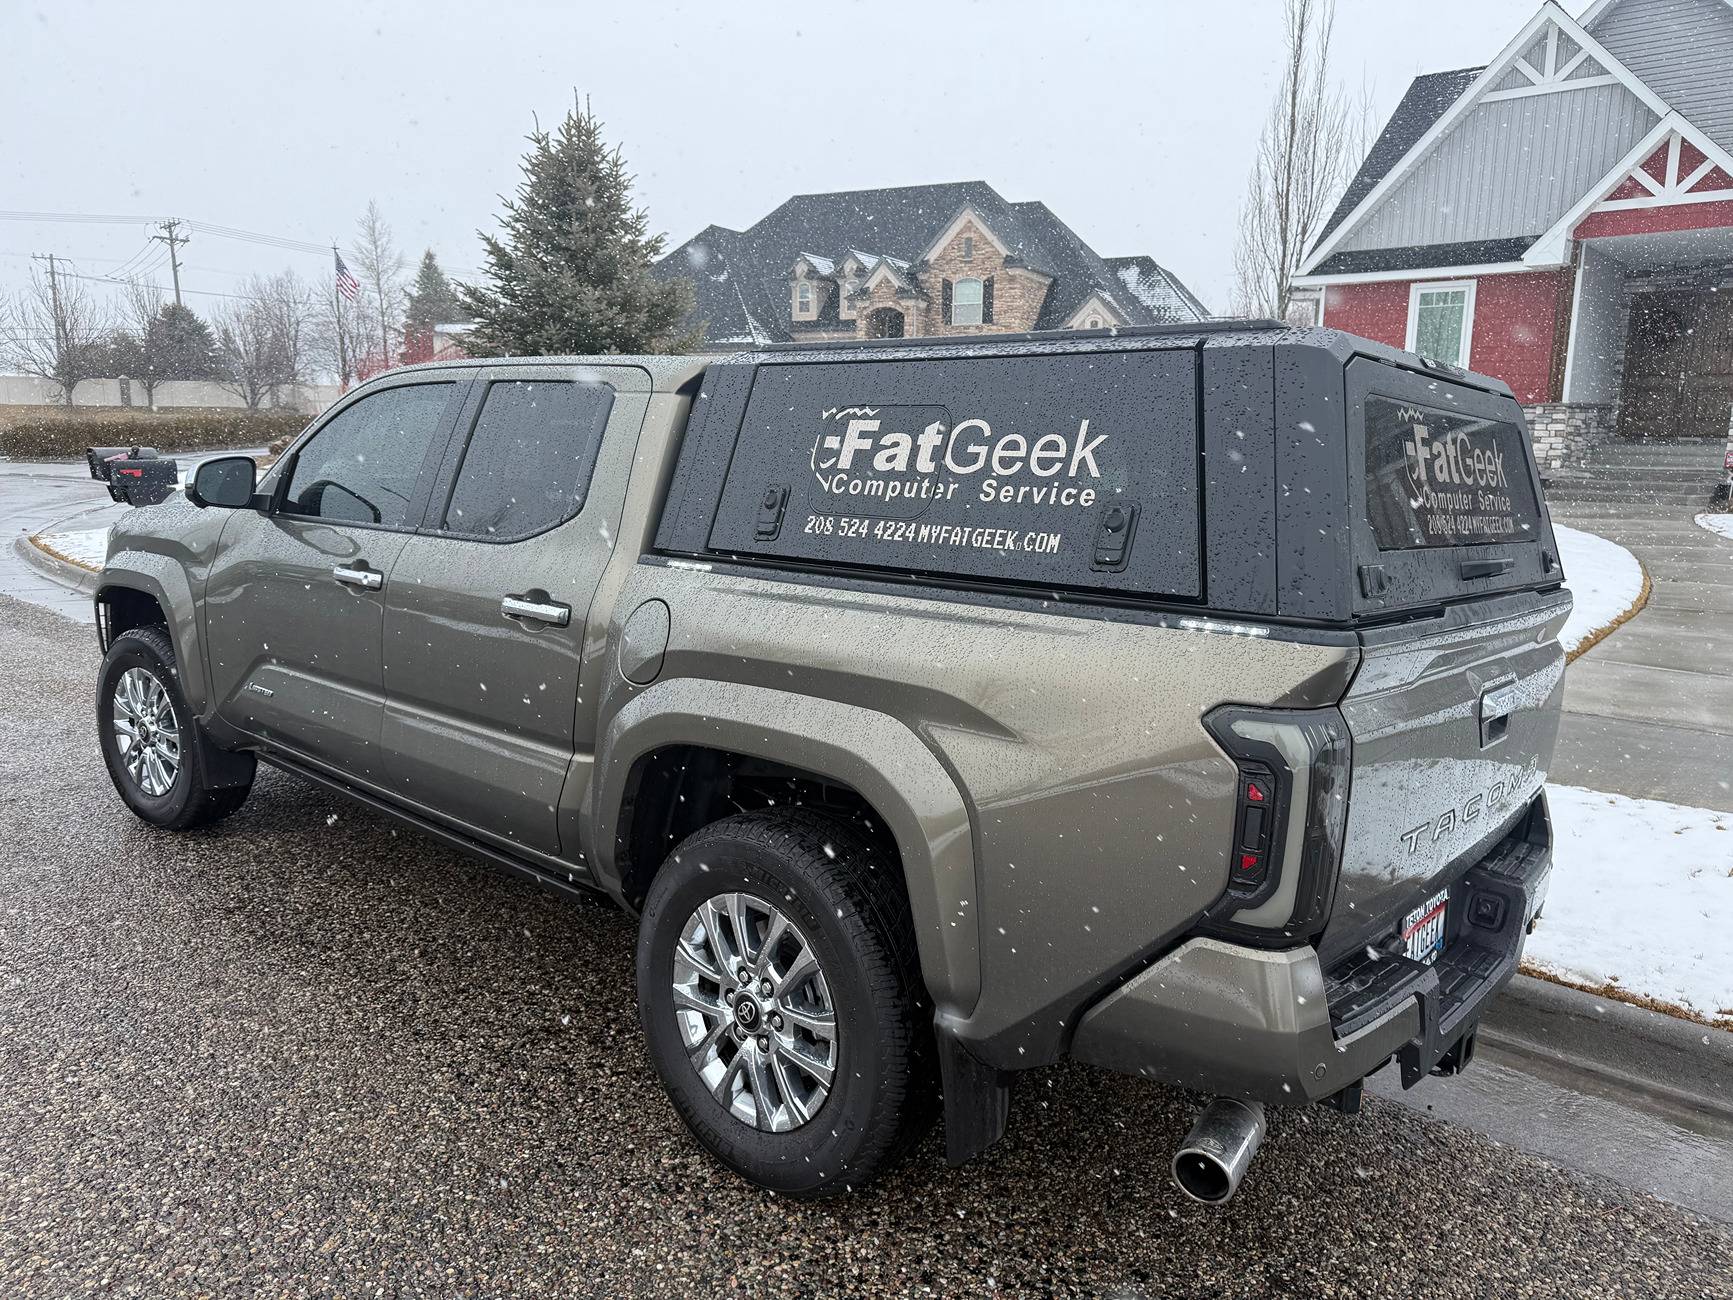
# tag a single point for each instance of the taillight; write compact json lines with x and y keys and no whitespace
{"x":1291,"y":808}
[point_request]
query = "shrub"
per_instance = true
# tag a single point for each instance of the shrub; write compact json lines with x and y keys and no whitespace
{"x":52,"y":432}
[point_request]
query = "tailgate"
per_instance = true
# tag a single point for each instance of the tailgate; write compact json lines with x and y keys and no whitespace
{"x":1453,"y":730}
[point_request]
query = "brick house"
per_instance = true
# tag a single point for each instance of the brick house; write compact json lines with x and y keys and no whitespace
{"x":952,"y":259}
{"x":1561,"y":218}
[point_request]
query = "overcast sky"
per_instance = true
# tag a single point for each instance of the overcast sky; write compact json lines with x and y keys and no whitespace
{"x":1135,"y":122}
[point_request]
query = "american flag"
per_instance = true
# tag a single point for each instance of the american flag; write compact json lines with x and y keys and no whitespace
{"x":347,"y":284}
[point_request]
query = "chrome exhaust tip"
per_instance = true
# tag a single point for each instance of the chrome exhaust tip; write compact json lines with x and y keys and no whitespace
{"x":1216,"y":1153}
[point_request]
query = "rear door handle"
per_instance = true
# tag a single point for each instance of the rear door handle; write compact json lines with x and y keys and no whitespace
{"x":1486,"y":568}
{"x":550,"y":612}
{"x":360,"y":576}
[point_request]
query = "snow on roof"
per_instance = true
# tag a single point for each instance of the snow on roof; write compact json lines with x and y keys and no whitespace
{"x":823,"y":265}
{"x":869,"y":260}
{"x":1151,"y":285}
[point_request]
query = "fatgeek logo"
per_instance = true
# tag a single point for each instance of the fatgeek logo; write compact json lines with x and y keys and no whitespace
{"x":878,"y":454}
{"x":1449,"y":460}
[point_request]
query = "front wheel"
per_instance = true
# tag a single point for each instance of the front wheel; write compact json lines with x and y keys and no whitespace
{"x":781,"y":997}
{"x":165,"y":769}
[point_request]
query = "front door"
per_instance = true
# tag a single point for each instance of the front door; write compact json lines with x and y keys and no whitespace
{"x":1678,"y":366}
{"x":295,"y":601}
{"x":485,"y":617}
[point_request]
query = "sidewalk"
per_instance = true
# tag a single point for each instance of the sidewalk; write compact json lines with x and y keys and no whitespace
{"x":1649,"y":711}
{"x":36,"y":495}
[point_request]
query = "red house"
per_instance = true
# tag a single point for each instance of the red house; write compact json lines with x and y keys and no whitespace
{"x":1561,"y":218}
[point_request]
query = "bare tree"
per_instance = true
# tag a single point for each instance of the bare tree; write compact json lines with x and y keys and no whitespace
{"x":266,"y":337}
{"x":379,"y":264}
{"x":1310,"y":146}
{"x":290,"y":304}
{"x":57,"y":332}
{"x":341,"y":328}
{"x":139,"y":342}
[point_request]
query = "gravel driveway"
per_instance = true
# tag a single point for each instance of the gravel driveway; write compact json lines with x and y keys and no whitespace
{"x":306,"y":1054}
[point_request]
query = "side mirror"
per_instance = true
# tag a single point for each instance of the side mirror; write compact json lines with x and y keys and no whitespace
{"x":226,"y":482}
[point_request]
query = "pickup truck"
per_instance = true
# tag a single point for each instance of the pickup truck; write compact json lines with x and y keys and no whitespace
{"x":1176,"y":700}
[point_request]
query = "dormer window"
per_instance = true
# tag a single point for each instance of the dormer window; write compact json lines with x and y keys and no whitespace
{"x":968,"y":248}
{"x":966,"y":302}
{"x":803,"y":298}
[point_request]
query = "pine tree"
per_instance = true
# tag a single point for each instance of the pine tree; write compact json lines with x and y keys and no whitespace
{"x":185,"y":344}
{"x":432,"y":301}
{"x":571,"y":270}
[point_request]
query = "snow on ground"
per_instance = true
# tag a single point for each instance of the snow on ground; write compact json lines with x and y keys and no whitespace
{"x":1604,"y":578}
{"x":1720,"y":523}
{"x":86,"y":547}
{"x":1641,"y":899}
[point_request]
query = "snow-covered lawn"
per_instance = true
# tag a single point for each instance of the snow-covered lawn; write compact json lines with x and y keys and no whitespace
{"x":1641,"y":901}
{"x":85,"y":547}
{"x":1604,"y":578}
{"x":1717,"y":523}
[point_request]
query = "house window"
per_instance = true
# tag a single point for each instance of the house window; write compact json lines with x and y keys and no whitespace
{"x":803,"y":298}
{"x":1441,"y":321}
{"x":966,"y":302}
{"x":968,"y":248}
{"x":1094,"y":323}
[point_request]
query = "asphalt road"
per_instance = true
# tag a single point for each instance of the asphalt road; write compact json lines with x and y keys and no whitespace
{"x":301,"y":1054}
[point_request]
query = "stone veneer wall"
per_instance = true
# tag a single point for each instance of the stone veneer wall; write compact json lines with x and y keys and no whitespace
{"x":1563,"y":432}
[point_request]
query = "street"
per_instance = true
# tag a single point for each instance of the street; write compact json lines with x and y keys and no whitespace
{"x":306,"y":1053}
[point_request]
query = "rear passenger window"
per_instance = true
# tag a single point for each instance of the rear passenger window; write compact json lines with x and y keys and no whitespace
{"x":528,"y":463}
{"x":361,"y":467}
{"x":1442,"y":478}
{"x":1070,"y":469}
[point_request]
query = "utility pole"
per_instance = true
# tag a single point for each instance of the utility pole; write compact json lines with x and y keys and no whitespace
{"x":54,"y":298}
{"x":173,"y":238}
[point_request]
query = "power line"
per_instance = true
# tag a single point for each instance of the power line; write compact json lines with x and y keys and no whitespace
{"x":85,"y":217}
{"x":201,"y":227}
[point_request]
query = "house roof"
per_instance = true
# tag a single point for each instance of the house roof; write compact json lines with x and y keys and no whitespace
{"x":1157,"y":288}
{"x":740,"y":277}
{"x":1474,"y":252}
{"x":1426,"y":101}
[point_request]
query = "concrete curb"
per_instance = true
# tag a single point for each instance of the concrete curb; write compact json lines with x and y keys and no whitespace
{"x":52,"y":567}
{"x":1629,"y":1045}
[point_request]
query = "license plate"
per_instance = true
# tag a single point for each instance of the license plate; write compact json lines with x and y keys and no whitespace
{"x":1423,"y":928}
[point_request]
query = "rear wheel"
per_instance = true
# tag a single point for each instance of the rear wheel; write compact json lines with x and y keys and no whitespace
{"x":782,"y":1002}
{"x":165,"y":769}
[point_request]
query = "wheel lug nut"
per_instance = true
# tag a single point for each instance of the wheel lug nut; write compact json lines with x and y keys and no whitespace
{"x":775,"y":1021}
{"x":745,"y":975}
{"x":764,"y":1044}
{"x":764,"y":987}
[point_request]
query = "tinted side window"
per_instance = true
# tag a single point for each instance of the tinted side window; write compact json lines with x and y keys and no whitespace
{"x":528,"y":463}
{"x":362,"y":466}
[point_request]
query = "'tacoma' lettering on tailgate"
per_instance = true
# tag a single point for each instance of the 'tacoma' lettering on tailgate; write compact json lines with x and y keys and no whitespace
{"x":967,"y":448}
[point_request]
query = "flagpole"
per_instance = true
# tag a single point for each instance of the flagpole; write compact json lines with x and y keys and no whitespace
{"x":337,"y":315}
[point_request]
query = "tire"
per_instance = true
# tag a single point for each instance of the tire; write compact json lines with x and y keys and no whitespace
{"x":206,"y":784}
{"x":843,"y":899}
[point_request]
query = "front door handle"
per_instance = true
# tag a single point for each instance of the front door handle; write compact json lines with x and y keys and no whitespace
{"x":550,"y":612}
{"x":361,"y":576}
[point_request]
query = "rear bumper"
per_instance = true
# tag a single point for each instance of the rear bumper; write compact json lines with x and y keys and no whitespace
{"x":1277,"y":1027}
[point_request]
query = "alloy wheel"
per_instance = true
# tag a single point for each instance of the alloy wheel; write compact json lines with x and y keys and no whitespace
{"x":146,"y":732}
{"x":755,"y":1011}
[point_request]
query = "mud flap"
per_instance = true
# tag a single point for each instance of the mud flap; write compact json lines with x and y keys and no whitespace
{"x":977,"y":1100}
